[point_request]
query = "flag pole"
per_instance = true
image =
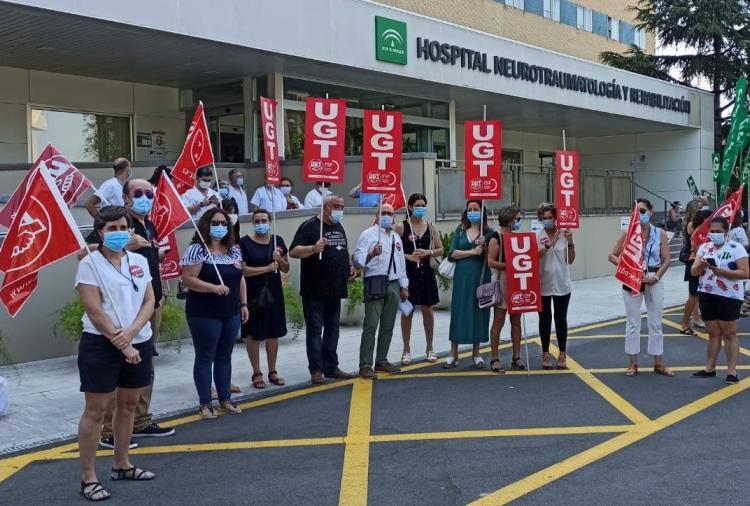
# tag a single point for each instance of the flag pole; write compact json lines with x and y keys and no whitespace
{"x":216,"y":178}
{"x":273,"y":218}
{"x":481,"y":214}
{"x":565,"y":148}
{"x":322,"y":205}
{"x":526,"y":343}
{"x":406,"y":209}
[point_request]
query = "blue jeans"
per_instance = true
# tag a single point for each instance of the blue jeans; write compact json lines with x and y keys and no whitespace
{"x":322,"y":327}
{"x":213,"y":340}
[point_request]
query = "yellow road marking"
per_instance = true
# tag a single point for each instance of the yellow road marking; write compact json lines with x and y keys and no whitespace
{"x":702,"y":335}
{"x":467,"y":434}
{"x":621,"y":336}
{"x":355,"y":474}
{"x":640,"y":431}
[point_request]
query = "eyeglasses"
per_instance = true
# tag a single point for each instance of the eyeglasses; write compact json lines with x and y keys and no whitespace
{"x":217,"y":223}
{"x":140,"y":193}
{"x":643,"y":211}
{"x":285,"y":186}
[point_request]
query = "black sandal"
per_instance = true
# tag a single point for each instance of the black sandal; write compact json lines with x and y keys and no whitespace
{"x":134,"y":473}
{"x":96,"y":491}
{"x":499,"y":369}
{"x":687,"y":331}
{"x":516,"y":364}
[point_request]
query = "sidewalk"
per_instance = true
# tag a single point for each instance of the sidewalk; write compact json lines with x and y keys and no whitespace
{"x":46,"y":403}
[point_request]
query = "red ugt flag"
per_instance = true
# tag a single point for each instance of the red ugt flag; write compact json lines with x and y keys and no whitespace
{"x":168,"y":212}
{"x":42,"y":233}
{"x":630,"y":266}
{"x":197,"y":151}
{"x":727,"y":210}
{"x":169,"y":268}
{"x":69,"y":180}
{"x":567,"y":189}
{"x":325,"y":129}
{"x":523,"y":292}
{"x":381,"y":152}
{"x":483,"y":160}
{"x":270,"y":142}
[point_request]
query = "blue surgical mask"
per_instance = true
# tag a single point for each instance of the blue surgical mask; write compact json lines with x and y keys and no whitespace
{"x":142,"y":205}
{"x":548,"y":224}
{"x":218,"y":232}
{"x":474,"y":216}
{"x":285,"y":190}
{"x":386,"y":221}
{"x":516,"y":225}
{"x":337,"y":216}
{"x":223,"y":192}
{"x":718,"y":238}
{"x":240,"y":181}
{"x":419,"y":212}
{"x":645,"y":218}
{"x":116,"y":240}
{"x":261,"y":228}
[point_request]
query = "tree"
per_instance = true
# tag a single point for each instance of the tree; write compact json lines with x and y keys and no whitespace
{"x":719,"y":33}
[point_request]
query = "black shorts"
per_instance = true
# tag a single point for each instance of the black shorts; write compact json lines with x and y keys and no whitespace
{"x":102,"y":367}
{"x":716,"y":307}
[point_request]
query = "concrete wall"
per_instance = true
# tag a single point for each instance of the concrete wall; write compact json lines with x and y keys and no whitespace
{"x":151,"y":107}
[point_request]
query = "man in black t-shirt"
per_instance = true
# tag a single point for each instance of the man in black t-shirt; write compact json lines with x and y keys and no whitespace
{"x":323,"y":281}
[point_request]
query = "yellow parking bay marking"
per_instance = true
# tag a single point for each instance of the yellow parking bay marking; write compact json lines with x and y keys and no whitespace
{"x":702,"y":335}
{"x":639,"y":431}
{"x":355,"y":475}
{"x":468,"y":434}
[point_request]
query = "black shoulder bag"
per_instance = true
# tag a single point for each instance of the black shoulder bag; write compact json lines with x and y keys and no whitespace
{"x":264,"y":300}
{"x":376,"y":287}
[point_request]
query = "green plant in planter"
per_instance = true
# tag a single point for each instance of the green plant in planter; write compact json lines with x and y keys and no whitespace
{"x":295,"y":318}
{"x":69,"y":320}
{"x":5,"y":357}
{"x":356,"y":296}
{"x":446,"y":239}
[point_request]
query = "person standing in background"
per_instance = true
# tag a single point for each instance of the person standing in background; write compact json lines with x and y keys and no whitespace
{"x":268,"y":197}
{"x":314,"y":197}
{"x":202,"y":197}
{"x":286,"y":187}
{"x":237,"y":190}
{"x":110,"y":192}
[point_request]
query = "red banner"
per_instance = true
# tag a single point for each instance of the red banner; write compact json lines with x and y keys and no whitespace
{"x":270,"y":142}
{"x":395,"y":200}
{"x":325,"y":129}
{"x":727,"y":210}
{"x":69,"y":181}
{"x":381,"y":152}
{"x":42,"y":233}
{"x":181,"y":187}
{"x":168,"y":212}
{"x":630,"y":266}
{"x":523,"y":292}
{"x":169,"y":267}
{"x":567,"y":189}
{"x":197,"y":151}
{"x":483,"y":159}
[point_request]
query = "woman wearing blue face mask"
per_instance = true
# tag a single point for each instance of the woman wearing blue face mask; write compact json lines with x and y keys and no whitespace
{"x":469,"y":323}
{"x":509,"y":219}
{"x":263,"y":265}
{"x":556,"y":253}
{"x":216,"y":304}
{"x":722,"y":266}
{"x":421,"y":241}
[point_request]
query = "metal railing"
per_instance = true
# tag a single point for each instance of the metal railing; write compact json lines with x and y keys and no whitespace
{"x":667,"y":203}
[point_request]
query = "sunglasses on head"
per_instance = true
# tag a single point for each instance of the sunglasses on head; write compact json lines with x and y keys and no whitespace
{"x":140,"y":193}
{"x":217,"y":223}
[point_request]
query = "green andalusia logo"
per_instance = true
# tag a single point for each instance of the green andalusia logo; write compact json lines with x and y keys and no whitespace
{"x":390,"y":40}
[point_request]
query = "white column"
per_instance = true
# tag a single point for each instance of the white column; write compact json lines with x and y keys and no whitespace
{"x":249,"y":100}
{"x":452,"y":129}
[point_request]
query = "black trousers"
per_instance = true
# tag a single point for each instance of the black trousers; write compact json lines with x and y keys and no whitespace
{"x":322,"y":327}
{"x":561,"y":320}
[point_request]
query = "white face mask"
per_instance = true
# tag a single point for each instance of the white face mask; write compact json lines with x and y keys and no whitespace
{"x":233,"y":218}
{"x":204,"y":184}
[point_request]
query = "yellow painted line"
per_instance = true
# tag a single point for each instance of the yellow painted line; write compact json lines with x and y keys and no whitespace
{"x":465,"y":354}
{"x":596,"y":326}
{"x":703,"y":335}
{"x":640,"y":431}
{"x":355,"y":474}
{"x":10,"y":466}
{"x":621,"y":336}
{"x":618,"y":402}
{"x":673,"y":368}
{"x":468,"y":434}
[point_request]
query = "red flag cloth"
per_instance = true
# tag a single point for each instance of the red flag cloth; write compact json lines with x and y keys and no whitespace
{"x":395,"y":200}
{"x":567,"y":189}
{"x":168,"y":212}
{"x":181,"y":187}
{"x":727,"y":210}
{"x":169,"y":268}
{"x":197,"y":151}
{"x":42,"y":233}
{"x":325,"y":130}
{"x":483,"y":157}
{"x":270,"y":142}
{"x":523,"y":292}
{"x":630,"y":266}
{"x":69,"y":180}
{"x":381,"y":152}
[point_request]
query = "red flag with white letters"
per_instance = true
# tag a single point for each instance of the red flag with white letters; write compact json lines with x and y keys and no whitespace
{"x":270,"y":141}
{"x":168,"y":212}
{"x":197,"y":151}
{"x":566,"y":189}
{"x":169,"y":267}
{"x":483,"y":160}
{"x":630,"y":266}
{"x":42,"y":233}
{"x":325,"y":129}
{"x":727,"y":210}
{"x":69,"y":181}
{"x":523,"y":292}
{"x":381,"y":152}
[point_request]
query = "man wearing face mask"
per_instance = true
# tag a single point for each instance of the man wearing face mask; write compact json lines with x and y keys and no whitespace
{"x":110,"y":192}
{"x":268,"y":197}
{"x":655,"y":263}
{"x":324,"y":269}
{"x":224,"y":189}
{"x":202,"y":197}
{"x":381,"y":254}
{"x":237,"y":190}
{"x":314,"y":197}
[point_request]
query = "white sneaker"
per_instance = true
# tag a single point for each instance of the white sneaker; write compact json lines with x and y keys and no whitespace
{"x":406,"y":358}
{"x":431,"y":357}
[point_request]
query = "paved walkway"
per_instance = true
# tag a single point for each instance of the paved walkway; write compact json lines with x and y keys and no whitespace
{"x":46,"y":403}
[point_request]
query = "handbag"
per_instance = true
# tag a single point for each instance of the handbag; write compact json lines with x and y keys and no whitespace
{"x":489,"y":294}
{"x":447,"y":268}
{"x":434,"y":261}
{"x":265,"y":299}
{"x":376,"y":287}
{"x":685,"y":253}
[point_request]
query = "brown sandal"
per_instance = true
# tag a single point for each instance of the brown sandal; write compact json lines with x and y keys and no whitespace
{"x":661,"y":369}
{"x":632,"y":370}
{"x":547,"y":362}
{"x":258,"y":383}
{"x":562,"y":363}
{"x":273,"y":377}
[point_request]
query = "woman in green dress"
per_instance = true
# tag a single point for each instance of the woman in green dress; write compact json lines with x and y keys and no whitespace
{"x":469,"y":324}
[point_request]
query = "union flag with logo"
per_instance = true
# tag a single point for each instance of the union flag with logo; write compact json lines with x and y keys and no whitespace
{"x":42,"y":232}
{"x":168,"y":212}
{"x":630,"y":266}
{"x":69,"y":181}
{"x":197,"y":151}
{"x":728,"y":209}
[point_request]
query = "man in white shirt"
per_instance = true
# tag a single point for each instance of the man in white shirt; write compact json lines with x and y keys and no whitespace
{"x":268,"y":197}
{"x":237,"y":190}
{"x":110,"y":192}
{"x":202,"y":197}
{"x":381,"y":254}
{"x":314,"y":197}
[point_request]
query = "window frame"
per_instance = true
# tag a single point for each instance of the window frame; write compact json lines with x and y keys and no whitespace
{"x":584,"y":18}
{"x":613,"y":28}
{"x":552,"y":10}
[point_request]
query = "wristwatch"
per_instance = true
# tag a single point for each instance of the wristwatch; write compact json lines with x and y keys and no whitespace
{"x":242,"y":304}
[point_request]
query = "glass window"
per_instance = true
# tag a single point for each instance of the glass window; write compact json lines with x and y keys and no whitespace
{"x":534,"y":188}
{"x":640,"y":37}
{"x":594,"y":192}
{"x":83,"y":137}
{"x":622,"y":192}
{"x":518,"y":4}
{"x":552,"y":9}
{"x":613,"y":29}
{"x":585,"y":19}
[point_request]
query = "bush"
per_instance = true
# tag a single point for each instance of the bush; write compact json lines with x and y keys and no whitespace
{"x":446,"y":239}
{"x":356,"y":289}
{"x":5,"y":358}
{"x":70,"y":319}
{"x":173,"y":321}
{"x":295,"y":318}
